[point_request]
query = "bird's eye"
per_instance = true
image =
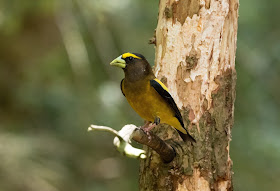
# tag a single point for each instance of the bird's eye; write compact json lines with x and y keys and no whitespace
{"x":130,"y":58}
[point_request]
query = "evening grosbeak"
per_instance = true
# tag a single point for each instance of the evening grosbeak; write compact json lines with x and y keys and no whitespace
{"x":147,"y":95}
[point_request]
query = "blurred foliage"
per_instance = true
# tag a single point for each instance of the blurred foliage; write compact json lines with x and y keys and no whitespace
{"x":55,"y":80}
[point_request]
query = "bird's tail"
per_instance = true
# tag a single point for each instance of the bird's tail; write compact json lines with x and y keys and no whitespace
{"x":186,"y":137}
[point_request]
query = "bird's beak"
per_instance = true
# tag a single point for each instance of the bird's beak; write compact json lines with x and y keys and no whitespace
{"x":119,"y":62}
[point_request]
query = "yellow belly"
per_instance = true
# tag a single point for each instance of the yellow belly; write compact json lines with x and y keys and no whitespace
{"x":149,"y":104}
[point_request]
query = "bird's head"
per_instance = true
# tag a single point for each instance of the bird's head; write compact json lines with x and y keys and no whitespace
{"x":135,"y":66}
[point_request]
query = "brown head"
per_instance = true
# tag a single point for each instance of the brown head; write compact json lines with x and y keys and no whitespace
{"x":135,"y":66}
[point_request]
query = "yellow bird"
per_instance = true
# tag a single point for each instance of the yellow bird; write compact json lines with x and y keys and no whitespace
{"x":147,"y":95}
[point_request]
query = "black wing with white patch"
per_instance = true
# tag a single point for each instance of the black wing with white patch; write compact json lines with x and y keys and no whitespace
{"x":168,"y":98}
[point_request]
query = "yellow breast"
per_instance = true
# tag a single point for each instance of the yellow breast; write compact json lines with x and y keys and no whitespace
{"x":146,"y":101}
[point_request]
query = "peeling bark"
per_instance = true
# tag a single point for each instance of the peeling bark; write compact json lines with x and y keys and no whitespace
{"x":195,"y":58}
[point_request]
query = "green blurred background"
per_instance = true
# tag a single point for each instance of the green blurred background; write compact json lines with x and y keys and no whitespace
{"x":55,"y":80}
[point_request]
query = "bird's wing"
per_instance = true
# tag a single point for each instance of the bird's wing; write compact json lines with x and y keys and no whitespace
{"x":163,"y":92}
{"x":122,"y":87}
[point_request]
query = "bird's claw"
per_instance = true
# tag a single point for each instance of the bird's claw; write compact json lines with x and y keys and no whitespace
{"x":146,"y":125}
{"x":151,"y":126}
{"x":147,"y":128}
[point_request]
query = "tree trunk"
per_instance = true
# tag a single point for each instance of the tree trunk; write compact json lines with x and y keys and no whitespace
{"x":195,"y":58}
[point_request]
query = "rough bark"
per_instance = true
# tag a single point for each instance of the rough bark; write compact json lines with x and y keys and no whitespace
{"x":195,"y":58}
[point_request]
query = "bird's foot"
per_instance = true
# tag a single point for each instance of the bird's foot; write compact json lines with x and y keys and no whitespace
{"x":148,"y":127}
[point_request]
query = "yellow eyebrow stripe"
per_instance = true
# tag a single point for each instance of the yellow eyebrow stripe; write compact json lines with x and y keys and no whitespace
{"x":125,"y":55}
{"x":162,"y":85}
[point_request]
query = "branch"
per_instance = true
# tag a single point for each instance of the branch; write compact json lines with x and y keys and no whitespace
{"x":128,"y":132}
{"x":166,"y":152}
